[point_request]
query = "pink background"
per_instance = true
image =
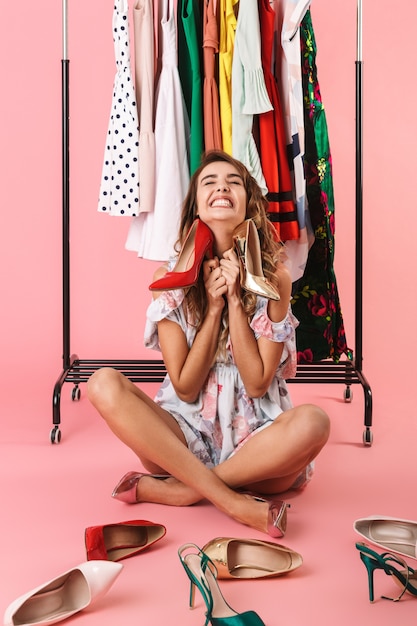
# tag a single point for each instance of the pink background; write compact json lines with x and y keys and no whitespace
{"x":50,"y":493}
{"x":109,"y":284}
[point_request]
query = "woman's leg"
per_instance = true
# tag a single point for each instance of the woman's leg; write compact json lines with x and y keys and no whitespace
{"x":271,"y":460}
{"x":158,"y":441}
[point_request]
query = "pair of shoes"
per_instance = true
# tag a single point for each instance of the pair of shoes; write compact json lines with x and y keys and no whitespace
{"x":198,"y":243}
{"x":202,"y":574}
{"x":114,"y":542}
{"x":396,"y":535}
{"x":277,"y":514}
{"x":248,"y":248}
{"x":406,"y":578}
{"x":64,"y":595}
{"x":250,"y":558}
{"x":125,"y":490}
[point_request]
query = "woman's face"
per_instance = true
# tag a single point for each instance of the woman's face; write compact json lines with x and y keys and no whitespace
{"x":221,"y":195}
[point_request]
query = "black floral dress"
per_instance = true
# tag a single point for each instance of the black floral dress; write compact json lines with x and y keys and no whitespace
{"x":315,"y":302}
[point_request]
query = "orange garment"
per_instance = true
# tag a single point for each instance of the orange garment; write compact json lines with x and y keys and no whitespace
{"x":272,"y":141}
{"x":212,"y":129}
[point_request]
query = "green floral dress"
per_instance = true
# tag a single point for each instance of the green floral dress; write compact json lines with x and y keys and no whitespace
{"x":315,"y":302}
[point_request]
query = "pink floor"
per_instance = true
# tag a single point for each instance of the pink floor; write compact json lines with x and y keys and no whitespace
{"x":50,"y":493}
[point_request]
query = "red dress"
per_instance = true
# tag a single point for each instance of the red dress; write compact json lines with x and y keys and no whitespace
{"x":272,"y":141}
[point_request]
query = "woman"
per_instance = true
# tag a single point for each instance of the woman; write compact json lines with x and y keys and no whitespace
{"x":222,"y":422}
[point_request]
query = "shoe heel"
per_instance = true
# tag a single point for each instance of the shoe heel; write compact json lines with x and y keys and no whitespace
{"x":197,"y":245}
{"x":371,"y":565}
{"x":192,"y":595}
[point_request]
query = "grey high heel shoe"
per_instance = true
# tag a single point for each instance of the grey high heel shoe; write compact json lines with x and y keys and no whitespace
{"x":395,"y":535}
{"x":125,"y":490}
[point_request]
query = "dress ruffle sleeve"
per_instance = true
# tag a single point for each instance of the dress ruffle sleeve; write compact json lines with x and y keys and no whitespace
{"x":281,"y":332}
{"x":166,"y":306}
{"x":256,"y":99}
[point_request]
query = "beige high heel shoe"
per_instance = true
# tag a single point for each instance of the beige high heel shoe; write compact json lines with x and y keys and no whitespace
{"x":251,"y":558}
{"x":246,"y":241}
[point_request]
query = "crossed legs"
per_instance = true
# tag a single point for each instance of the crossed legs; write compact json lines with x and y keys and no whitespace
{"x":269,"y":462}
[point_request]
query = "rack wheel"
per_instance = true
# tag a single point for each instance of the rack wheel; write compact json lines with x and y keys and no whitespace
{"x":55,"y":435}
{"x":348,"y":394}
{"x":367,"y":437}
{"x":76,"y":394}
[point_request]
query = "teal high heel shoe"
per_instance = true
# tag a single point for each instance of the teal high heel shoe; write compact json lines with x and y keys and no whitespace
{"x":406,"y":578}
{"x":202,"y":573}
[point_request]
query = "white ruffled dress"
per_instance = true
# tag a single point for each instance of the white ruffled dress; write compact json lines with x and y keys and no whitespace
{"x":223,"y":416}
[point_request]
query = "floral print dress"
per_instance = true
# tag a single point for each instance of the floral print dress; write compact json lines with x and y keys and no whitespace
{"x":223,"y":416}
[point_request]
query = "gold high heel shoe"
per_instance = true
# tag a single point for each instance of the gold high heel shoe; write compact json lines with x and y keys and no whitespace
{"x":246,"y":241}
{"x":250,"y":558}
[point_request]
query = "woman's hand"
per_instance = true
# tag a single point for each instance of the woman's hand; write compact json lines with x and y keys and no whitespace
{"x":230,"y":270}
{"x":215,"y":284}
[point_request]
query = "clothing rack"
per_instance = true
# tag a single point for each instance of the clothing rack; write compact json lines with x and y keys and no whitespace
{"x":77,"y":371}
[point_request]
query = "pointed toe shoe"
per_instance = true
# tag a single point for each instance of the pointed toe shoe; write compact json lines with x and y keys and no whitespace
{"x":64,"y":595}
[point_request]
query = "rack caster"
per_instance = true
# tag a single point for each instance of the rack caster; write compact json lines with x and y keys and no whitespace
{"x":367,"y":437}
{"x":348,"y":394}
{"x":76,"y":394}
{"x":55,"y":435}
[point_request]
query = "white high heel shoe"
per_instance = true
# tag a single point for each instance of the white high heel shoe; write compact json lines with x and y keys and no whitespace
{"x":63,"y":596}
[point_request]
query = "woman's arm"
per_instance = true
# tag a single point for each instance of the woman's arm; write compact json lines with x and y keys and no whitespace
{"x":188,"y":368}
{"x":256,"y":360}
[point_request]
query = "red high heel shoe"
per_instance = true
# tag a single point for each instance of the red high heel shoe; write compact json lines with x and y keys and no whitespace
{"x":198,"y":243}
{"x":114,"y":542}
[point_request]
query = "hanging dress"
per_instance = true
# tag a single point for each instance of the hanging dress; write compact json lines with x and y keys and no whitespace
{"x":145,"y":88}
{"x":119,"y":187}
{"x":190,"y":67}
{"x":212,"y":128}
{"x":227,"y":27}
{"x":157,"y":230}
{"x":321,"y":333}
{"x":288,"y":74}
{"x":272,"y":140}
{"x":249,"y":94}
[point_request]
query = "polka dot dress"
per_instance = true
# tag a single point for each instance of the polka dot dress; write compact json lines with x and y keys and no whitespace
{"x":119,"y":189}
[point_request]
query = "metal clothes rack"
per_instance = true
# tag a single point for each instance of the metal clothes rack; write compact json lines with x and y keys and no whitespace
{"x":76,"y":370}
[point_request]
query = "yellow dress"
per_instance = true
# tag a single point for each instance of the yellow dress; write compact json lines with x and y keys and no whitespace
{"x":227,"y":27}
